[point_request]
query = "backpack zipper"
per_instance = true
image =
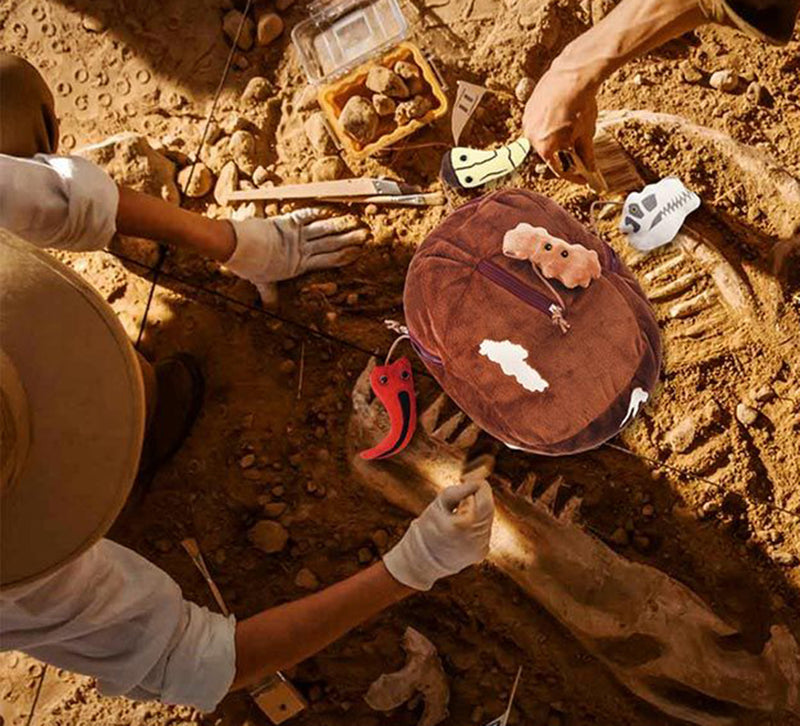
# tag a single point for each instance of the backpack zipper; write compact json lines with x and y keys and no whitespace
{"x":424,"y":354}
{"x":528,"y":295}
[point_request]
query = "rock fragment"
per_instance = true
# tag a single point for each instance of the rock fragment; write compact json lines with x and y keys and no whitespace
{"x":230,"y":25}
{"x":269,"y":536}
{"x":243,"y":149}
{"x":690,"y":73}
{"x":524,"y":89}
{"x":384,"y":106}
{"x":416,"y":108}
{"x":359,"y":119}
{"x":227,"y":182}
{"x":724,"y":80}
{"x":756,"y":94}
{"x":406,"y":70}
{"x":316,"y":130}
{"x":385,"y":81}
{"x":746,"y":415}
{"x":328,"y":168}
{"x":306,"y":579}
{"x":257,"y":90}
{"x":198,"y":183}
{"x":270,"y":26}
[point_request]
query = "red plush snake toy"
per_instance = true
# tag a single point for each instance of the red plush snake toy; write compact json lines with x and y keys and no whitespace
{"x":393,"y":384}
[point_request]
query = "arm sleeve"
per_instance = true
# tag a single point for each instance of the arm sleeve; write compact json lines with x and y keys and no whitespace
{"x":769,"y":20}
{"x":62,"y":202}
{"x":117,"y":617}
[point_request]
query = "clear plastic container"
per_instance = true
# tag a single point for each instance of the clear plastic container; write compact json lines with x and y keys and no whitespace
{"x":341,"y":42}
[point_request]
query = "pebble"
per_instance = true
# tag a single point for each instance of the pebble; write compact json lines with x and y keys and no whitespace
{"x":681,"y":437}
{"x":306,"y":579}
{"x":92,"y":24}
{"x":364,"y":556}
{"x":274,"y":509}
{"x":230,"y":25}
{"x":240,"y":61}
{"x":359,"y":119}
{"x":746,"y":415}
{"x":709,"y":509}
{"x":380,"y":538}
{"x":260,"y":176}
{"x":385,"y":81}
{"x":243,"y":148}
{"x":323,"y":288}
{"x":756,"y":94}
{"x":270,"y":27}
{"x":352,"y":299}
{"x":763,"y":394}
{"x":524,"y":89}
{"x":724,"y":80}
{"x":316,"y":130}
{"x":198,"y":183}
{"x":278,"y":491}
{"x":408,"y":110}
{"x":247,"y":461}
{"x":785,"y":559}
{"x":620,"y":536}
{"x":269,"y":536}
{"x":384,"y":105}
{"x":406,"y":70}
{"x":328,"y":168}
{"x":257,"y":90}
{"x":227,"y":182}
{"x":690,"y":73}
{"x":287,"y":366}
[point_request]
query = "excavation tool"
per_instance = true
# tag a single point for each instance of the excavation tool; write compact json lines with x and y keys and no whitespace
{"x":275,"y":695}
{"x":363,"y":191}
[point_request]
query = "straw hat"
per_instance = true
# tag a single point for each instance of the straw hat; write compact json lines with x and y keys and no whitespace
{"x":72,"y":414}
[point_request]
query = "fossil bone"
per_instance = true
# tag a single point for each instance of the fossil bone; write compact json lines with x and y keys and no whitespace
{"x":422,"y":673}
{"x":655,"y":635}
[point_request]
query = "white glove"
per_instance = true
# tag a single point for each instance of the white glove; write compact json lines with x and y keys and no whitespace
{"x":451,"y":534}
{"x":278,"y":248}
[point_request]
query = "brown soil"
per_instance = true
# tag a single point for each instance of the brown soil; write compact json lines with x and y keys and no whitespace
{"x":153,"y":68}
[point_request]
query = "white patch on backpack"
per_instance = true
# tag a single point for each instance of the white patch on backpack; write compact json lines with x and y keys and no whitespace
{"x":511,"y":358}
{"x":638,"y":397}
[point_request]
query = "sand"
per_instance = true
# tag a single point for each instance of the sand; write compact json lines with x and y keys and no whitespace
{"x":730,"y":330}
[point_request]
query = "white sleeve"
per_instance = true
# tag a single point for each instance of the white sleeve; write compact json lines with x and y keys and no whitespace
{"x":115,"y":616}
{"x":63,"y":202}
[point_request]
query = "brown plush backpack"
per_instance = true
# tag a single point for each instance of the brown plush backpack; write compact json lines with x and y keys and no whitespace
{"x":531,"y":324}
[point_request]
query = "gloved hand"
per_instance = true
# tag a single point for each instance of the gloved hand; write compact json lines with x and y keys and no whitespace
{"x":451,"y":534}
{"x":278,"y":248}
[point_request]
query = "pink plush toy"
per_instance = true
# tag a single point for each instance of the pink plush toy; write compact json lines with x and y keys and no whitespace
{"x":571,"y":265}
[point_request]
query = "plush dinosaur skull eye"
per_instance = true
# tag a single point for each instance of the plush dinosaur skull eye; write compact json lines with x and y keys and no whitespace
{"x":635,"y":210}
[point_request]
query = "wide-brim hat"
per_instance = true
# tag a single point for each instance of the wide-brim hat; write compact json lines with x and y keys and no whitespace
{"x":72,"y":414}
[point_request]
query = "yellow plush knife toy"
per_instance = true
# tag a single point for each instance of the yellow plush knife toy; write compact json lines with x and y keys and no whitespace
{"x":465,"y":168}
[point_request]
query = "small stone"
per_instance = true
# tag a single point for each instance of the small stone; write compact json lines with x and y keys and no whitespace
{"x":257,"y":90}
{"x":542,"y":169}
{"x":247,"y":461}
{"x":243,"y":148}
{"x":384,"y":105}
{"x":235,"y":122}
{"x":380,"y":538}
{"x":359,"y":119}
{"x":163,"y":545}
{"x":287,"y":366}
{"x":620,"y":537}
{"x":278,"y":491}
{"x":316,"y":130}
{"x":756,"y":94}
{"x":269,"y":536}
{"x":364,"y":556}
{"x":270,"y":26}
{"x":690,"y":73}
{"x":230,"y":25}
{"x":746,"y":415}
{"x":681,"y":437}
{"x":763,"y":394}
{"x":328,"y":168}
{"x":274,"y":509}
{"x":406,"y":70}
{"x":240,"y":61}
{"x":306,"y":579}
{"x":724,"y":80}
{"x":306,"y":99}
{"x":322,"y":288}
{"x":640,"y":80}
{"x":524,"y":89}
{"x":227,"y":182}
{"x":352,"y":299}
{"x":93,"y":24}
{"x":648,"y":510}
{"x":196,"y":183}
{"x":709,"y":509}
{"x":385,"y":81}
{"x":416,"y":108}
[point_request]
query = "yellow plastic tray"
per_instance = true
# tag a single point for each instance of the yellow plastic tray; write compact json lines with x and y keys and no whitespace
{"x":333,"y":96}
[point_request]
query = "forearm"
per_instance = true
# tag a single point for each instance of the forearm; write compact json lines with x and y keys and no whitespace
{"x":631,"y":29}
{"x":283,"y":636}
{"x":142,"y":215}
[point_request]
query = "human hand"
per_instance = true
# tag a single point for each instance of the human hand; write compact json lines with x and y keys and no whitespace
{"x":451,"y":534}
{"x":560,"y":115}
{"x":279,"y":248}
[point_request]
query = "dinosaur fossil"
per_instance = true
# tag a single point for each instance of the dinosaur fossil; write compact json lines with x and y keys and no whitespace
{"x":655,"y":635}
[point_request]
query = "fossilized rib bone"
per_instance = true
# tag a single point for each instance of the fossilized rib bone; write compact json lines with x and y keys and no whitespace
{"x":654,"y":634}
{"x":422,"y":673}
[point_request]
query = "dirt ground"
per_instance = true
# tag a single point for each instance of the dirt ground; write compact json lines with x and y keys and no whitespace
{"x":279,"y":386}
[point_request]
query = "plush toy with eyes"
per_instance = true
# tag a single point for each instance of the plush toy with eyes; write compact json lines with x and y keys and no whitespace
{"x":571,"y":265}
{"x":653,"y":216}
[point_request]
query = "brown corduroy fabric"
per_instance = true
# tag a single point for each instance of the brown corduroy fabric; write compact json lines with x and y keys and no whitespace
{"x":28,"y":123}
{"x":598,"y":373}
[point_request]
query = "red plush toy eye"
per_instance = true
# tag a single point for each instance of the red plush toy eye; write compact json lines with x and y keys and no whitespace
{"x":384,"y":380}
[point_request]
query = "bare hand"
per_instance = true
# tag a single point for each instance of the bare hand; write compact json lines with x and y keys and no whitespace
{"x":561,"y":115}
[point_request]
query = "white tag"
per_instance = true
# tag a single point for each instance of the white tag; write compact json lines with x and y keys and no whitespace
{"x":653,"y":216}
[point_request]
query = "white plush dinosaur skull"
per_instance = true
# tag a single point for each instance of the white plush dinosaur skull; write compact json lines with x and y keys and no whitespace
{"x":653,"y":216}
